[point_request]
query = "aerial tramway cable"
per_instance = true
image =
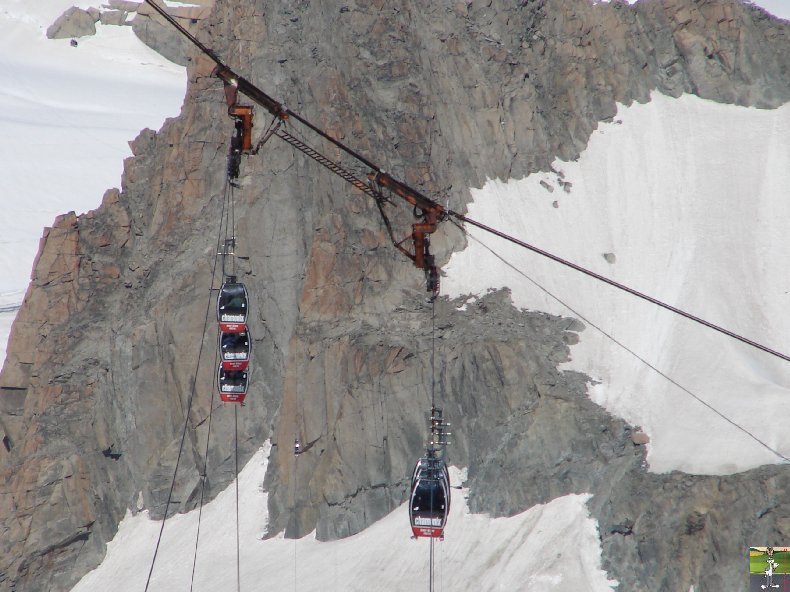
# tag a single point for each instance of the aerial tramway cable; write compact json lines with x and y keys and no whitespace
{"x":236,"y":455}
{"x":431,"y":212}
{"x":280,"y":111}
{"x":203,"y":479}
{"x":186,"y":420}
{"x":229,"y":249}
{"x":619,"y":286}
{"x":621,"y":344}
{"x":204,"y":475}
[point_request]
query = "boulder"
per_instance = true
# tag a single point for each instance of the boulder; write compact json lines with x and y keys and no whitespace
{"x":75,"y":22}
{"x":114,"y":17}
{"x":124,"y":5}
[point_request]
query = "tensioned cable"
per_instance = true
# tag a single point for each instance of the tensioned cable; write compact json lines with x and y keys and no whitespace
{"x":238,"y":547}
{"x":622,"y":345}
{"x":186,"y":421}
{"x":433,"y":354}
{"x":226,"y":222}
{"x":430,"y":574}
{"x":204,"y":477}
{"x":282,"y":112}
{"x":619,"y":286}
{"x":233,"y":226}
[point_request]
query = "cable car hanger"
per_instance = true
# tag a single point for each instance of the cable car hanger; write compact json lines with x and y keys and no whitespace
{"x":432,"y":210}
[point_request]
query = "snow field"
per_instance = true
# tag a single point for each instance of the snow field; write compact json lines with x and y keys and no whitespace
{"x":66,"y":117}
{"x":551,"y":547}
{"x":689,"y":197}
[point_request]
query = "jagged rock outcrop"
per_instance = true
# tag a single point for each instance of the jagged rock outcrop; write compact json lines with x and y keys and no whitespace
{"x":104,"y":355}
{"x":150,"y":27}
{"x":158,"y":34}
{"x":75,"y":22}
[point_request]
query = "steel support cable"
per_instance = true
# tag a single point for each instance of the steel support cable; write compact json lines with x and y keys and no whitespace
{"x":256,"y":94}
{"x":225,"y":243}
{"x":622,"y":345}
{"x":203,"y":477}
{"x":295,"y":482}
{"x":356,"y":182}
{"x":273,"y":127}
{"x":236,"y":453}
{"x":186,"y":418}
{"x":430,"y":569}
{"x":233,"y":227}
{"x":620,"y":286}
{"x":433,"y":354}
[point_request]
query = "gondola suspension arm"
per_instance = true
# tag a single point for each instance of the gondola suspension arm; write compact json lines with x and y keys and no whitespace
{"x":431,"y":212}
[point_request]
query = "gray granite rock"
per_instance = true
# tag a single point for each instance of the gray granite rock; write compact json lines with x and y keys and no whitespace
{"x":75,"y":22}
{"x":114,"y":17}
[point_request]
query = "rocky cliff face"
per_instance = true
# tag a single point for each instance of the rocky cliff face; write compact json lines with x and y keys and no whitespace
{"x":106,"y":352}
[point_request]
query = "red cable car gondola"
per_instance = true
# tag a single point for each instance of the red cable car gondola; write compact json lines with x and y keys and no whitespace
{"x":234,"y":349}
{"x":232,"y":306}
{"x":429,"y":502}
{"x":232,"y":385}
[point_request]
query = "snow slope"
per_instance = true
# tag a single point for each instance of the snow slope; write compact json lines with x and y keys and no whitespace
{"x":551,"y":547}
{"x":689,"y":199}
{"x":66,"y":117}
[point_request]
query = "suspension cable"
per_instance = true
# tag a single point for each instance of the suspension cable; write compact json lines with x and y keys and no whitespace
{"x":433,"y":354}
{"x":620,"y":286}
{"x":203,"y":478}
{"x":233,"y":227}
{"x":622,"y":345}
{"x":186,"y":418}
{"x":280,"y":111}
{"x":238,"y":547}
{"x":430,"y":569}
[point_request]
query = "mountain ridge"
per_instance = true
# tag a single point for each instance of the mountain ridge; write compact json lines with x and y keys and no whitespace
{"x":515,"y":87}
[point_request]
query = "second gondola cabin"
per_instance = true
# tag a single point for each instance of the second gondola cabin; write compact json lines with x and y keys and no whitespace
{"x":429,"y":501}
{"x":234,"y":349}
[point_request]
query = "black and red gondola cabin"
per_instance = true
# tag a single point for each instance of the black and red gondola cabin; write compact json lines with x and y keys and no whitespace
{"x":429,"y":502}
{"x":232,"y":307}
{"x":232,"y":385}
{"x":235,"y":348}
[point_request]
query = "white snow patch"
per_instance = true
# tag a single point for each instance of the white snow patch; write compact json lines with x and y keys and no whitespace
{"x":176,"y":4}
{"x":778,"y":8}
{"x":550,"y":547}
{"x":691,"y":198}
{"x":66,"y":117}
